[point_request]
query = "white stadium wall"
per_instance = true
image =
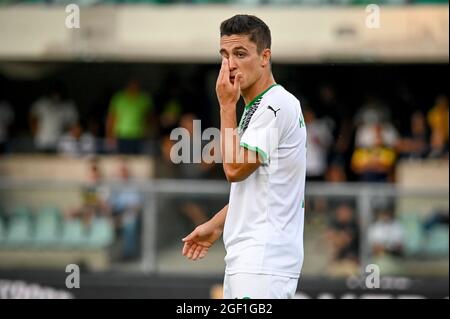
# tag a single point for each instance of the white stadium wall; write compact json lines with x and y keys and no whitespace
{"x":190,"y":33}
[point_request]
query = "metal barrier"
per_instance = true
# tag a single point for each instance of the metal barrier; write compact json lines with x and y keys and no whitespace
{"x":362,"y":197}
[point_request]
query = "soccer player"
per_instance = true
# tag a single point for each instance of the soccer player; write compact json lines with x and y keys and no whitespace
{"x":262,"y":224}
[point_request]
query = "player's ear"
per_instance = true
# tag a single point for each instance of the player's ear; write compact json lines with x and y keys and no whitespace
{"x":266,"y":55}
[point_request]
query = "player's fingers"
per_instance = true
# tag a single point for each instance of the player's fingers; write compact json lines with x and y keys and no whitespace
{"x":203,"y":253}
{"x":186,"y":247}
{"x":237,"y":81}
{"x":223,"y":75}
{"x":197,"y":252}
{"x":191,"y":251}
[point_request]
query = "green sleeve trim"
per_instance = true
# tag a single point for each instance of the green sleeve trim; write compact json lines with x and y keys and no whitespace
{"x":255,"y":149}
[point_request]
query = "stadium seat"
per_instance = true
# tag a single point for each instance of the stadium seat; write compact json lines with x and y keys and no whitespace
{"x":101,"y":234}
{"x":437,"y":241}
{"x":2,"y":231}
{"x":74,"y":235}
{"x":19,"y":232}
{"x":21,"y":212}
{"x":413,"y":233}
{"x":48,"y":227}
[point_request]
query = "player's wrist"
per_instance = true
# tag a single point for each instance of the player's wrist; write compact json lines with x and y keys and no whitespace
{"x":227,"y":107}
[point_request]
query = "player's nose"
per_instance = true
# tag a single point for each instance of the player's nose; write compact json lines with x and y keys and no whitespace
{"x":232,"y":64}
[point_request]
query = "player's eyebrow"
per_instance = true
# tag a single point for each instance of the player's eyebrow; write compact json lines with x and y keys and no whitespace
{"x":222,"y":51}
{"x":240,"y":48}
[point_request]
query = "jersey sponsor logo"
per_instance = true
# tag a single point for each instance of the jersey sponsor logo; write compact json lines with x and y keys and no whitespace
{"x":274,"y":111}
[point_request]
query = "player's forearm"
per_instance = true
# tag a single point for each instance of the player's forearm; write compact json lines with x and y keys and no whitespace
{"x":228,"y":136}
{"x":231,"y":153}
{"x":219,"y":219}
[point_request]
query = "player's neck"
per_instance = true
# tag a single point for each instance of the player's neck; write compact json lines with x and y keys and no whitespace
{"x":256,"y":89}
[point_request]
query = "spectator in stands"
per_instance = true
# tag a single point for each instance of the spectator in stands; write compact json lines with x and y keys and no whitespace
{"x":374,"y":162}
{"x":415,"y":144}
{"x":336,"y":172}
{"x":126,"y":202}
{"x":129,"y":119}
{"x":438,"y":147}
{"x":172,"y":109}
{"x":164,"y":167}
{"x":319,"y":142}
{"x":438,"y":118}
{"x":386,"y":235}
{"x":195,"y":169}
{"x":49,"y":118}
{"x":438,"y":121}
{"x":193,"y":209}
{"x":343,"y":235}
{"x":438,"y":217}
{"x":6,"y":119}
{"x":76,"y":143}
{"x":94,"y":196}
{"x":371,"y":119}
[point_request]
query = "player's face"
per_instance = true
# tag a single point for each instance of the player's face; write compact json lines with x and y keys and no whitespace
{"x":243,"y":57}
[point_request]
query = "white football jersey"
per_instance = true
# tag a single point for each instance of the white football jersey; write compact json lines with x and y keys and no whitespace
{"x":263,"y":231}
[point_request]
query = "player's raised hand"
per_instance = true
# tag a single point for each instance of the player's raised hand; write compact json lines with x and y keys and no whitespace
{"x":228,"y":86}
{"x":197,"y":243}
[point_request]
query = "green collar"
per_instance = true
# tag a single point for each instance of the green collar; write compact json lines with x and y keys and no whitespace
{"x":259,"y":95}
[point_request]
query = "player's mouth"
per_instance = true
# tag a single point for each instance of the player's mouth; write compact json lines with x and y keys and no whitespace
{"x":232,"y":79}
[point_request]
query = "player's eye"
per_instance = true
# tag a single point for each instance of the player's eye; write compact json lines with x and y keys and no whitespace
{"x":240,"y":54}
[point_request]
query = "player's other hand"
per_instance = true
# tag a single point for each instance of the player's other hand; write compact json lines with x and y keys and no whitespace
{"x":228,"y":87}
{"x":197,"y":243}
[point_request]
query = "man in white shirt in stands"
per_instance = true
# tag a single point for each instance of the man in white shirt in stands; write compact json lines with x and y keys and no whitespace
{"x":50,"y":116}
{"x":265,"y":161}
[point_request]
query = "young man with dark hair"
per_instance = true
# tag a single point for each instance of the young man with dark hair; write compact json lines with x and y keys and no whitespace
{"x":265,"y":161}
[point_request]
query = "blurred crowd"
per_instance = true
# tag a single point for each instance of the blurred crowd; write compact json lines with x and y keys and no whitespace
{"x":364,"y":146}
{"x":368,"y":143}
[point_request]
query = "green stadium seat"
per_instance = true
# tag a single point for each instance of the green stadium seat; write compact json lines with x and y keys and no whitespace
{"x":437,"y":241}
{"x":19,"y":232}
{"x":21,"y":212}
{"x":414,"y":236}
{"x":101,"y":234}
{"x":48,"y":227}
{"x":2,"y":231}
{"x":73,"y":235}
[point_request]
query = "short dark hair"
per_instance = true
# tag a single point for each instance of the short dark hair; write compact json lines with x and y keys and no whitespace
{"x":254,"y":27}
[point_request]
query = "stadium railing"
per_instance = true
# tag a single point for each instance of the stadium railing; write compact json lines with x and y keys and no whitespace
{"x":422,"y":215}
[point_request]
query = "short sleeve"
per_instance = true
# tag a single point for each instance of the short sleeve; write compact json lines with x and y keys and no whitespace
{"x":263,"y":134}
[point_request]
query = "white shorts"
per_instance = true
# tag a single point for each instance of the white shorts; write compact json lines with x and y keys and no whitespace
{"x":255,"y":286}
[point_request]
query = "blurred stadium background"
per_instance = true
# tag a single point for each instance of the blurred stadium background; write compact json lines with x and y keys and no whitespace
{"x":74,"y":190}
